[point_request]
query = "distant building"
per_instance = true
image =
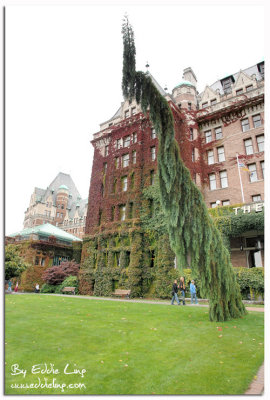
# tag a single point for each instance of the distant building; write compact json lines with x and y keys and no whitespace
{"x":60,"y":205}
{"x":43,"y":246}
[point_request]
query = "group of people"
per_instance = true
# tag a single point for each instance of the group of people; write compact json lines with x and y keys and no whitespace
{"x":10,"y":287}
{"x":182,"y":288}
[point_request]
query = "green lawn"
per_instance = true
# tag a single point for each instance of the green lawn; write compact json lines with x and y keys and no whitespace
{"x":128,"y":348}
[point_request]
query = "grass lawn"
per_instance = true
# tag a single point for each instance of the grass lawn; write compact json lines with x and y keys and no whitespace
{"x":127,"y":348}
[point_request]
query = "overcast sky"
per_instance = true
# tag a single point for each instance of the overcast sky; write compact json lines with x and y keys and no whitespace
{"x":63,"y":77}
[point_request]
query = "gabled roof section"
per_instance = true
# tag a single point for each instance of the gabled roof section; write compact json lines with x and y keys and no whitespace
{"x":157,"y":85}
{"x":60,"y":180}
{"x":47,"y":230}
{"x":248,"y":71}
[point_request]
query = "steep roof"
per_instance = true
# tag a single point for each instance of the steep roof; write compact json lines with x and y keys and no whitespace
{"x":47,"y":230}
{"x":157,"y":85}
{"x":249,"y":71}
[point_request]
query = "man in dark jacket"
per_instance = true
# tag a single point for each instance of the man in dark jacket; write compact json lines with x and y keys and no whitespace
{"x":174,"y":293}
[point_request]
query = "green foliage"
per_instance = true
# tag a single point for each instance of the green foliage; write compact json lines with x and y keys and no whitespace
{"x":251,"y":281}
{"x":234,"y":225}
{"x":70,"y":281}
{"x":14,"y":263}
{"x":46,"y":288}
{"x":191,"y":230}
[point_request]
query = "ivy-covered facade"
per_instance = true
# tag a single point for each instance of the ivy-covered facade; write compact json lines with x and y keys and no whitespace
{"x":126,"y":243}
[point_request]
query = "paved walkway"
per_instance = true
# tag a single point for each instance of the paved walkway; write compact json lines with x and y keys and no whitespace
{"x":257,"y":385}
{"x":160,"y":302}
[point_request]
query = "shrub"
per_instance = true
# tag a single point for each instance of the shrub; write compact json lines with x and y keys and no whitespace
{"x":70,"y":281}
{"x":251,"y":281}
{"x":46,"y":288}
{"x":57,"y":274}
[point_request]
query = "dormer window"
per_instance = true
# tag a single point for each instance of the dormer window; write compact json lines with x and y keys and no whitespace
{"x":227,"y":84}
{"x":249,"y":88}
{"x":133,"y":110}
{"x":213,"y":102}
{"x":261,"y":68}
{"x":239,"y":91}
{"x":205,"y":104}
{"x":126,"y":113}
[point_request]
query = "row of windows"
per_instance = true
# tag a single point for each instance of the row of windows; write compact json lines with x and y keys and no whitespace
{"x":220,"y":155}
{"x":129,"y":112}
{"x":248,"y":148}
{"x":124,"y":160}
{"x":124,"y":212}
{"x":227,"y":86}
{"x":257,"y":122}
{"x":249,"y":144}
{"x":223,"y":178}
{"x":255,"y":198}
{"x":125,"y":183}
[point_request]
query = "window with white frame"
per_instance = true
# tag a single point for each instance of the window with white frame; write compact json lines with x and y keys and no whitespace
{"x":133,"y":110}
{"x":256,"y":120}
{"x":249,"y":88}
{"x":153,"y":153}
{"x":105,"y":165}
{"x":191,"y":133}
{"x":223,"y":179}
{"x":208,"y":136}
{"x":152,"y":177}
{"x":248,"y":146}
{"x":212,"y":181}
{"x":260,"y":142}
{"x":117,"y":162}
{"x":225,"y":202}
{"x":213,"y":205}
{"x":125,"y":160}
{"x":134,"y":137}
{"x":193,"y":155}
{"x":218,"y":133}
{"x":124,"y":183}
{"x":118,"y":144}
{"x":153,"y":133}
{"x":262,"y":167}
{"x":256,"y":197}
{"x":245,"y":124}
{"x":106,"y":150}
{"x":210,"y":157}
{"x":205,"y":104}
{"x":221,"y":153}
{"x":134,"y":157}
{"x":252,"y":172}
{"x":213,"y":102}
{"x":122,"y":212}
{"x":126,"y":113}
{"x":239,"y":91}
{"x":126,"y":141}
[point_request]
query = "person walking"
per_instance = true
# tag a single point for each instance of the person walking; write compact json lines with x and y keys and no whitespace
{"x":174,"y":293}
{"x":182,"y":288}
{"x":37,"y":288}
{"x":16,"y":287}
{"x":9,"y":286}
{"x":193,"y":296}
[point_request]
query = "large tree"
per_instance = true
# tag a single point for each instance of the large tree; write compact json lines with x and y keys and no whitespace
{"x":190,"y":228}
{"x":14,"y":263}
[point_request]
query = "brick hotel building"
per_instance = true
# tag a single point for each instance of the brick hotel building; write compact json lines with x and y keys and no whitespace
{"x":212,"y":129}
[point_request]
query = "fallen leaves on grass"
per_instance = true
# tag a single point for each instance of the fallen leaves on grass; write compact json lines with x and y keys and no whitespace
{"x":126,"y":365}
{"x":220,"y":335}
